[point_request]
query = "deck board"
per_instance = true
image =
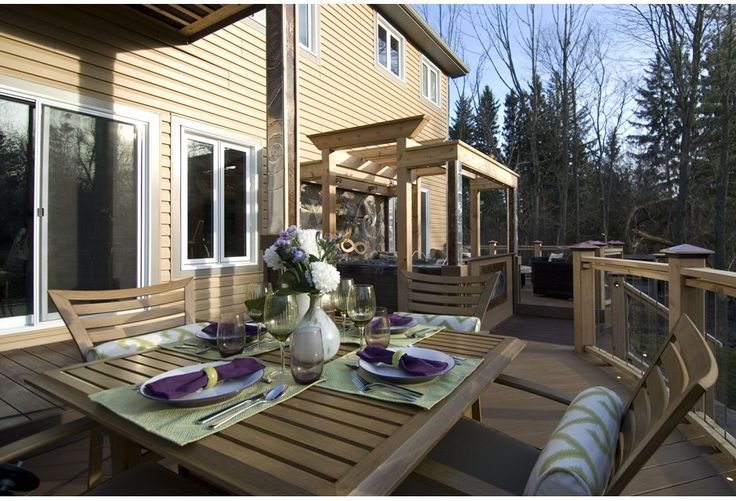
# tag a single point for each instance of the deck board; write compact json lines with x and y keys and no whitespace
{"x":685,"y":465}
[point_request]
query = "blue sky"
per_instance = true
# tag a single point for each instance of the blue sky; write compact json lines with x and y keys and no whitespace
{"x":626,"y":56}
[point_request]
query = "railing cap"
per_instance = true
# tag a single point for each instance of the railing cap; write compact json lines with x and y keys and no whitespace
{"x":597,"y":243}
{"x":686,"y":250}
{"x":583,"y":246}
{"x":538,"y":242}
{"x":616,"y":242}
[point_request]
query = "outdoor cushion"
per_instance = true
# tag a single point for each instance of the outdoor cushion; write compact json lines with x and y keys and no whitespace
{"x":134,"y":344}
{"x":454,"y":322}
{"x":577,"y":458}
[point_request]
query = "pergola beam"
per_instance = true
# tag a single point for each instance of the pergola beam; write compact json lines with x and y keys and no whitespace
{"x":370,"y":135}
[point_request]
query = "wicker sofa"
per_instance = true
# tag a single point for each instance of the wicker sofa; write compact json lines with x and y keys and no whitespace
{"x":552,"y":278}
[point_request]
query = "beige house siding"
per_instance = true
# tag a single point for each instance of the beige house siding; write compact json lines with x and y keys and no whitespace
{"x":109,"y":53}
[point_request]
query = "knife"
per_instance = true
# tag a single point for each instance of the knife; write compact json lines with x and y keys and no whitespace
{"x":206,"y":419}
{"x":273,"y":394}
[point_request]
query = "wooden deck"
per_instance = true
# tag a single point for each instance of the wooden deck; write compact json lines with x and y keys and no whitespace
{"x":685,"y":465}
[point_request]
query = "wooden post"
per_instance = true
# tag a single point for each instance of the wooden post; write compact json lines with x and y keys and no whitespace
{"x":416,"y":214}
{"x":329,"y":195}
{"x":281,"y":118}
{"x":688,"y":300}
{"x":537,"y":248}
{"x":583,"y":286}
{"x":403,"y":224}
{"x":512,"y":229}
{"x":618,"y":245}
{"x":492,"y":247}
{"x":619,"y":318}
{"x":454,"y":213}
{"x":474,"y":220}
{"x":684,"y":299}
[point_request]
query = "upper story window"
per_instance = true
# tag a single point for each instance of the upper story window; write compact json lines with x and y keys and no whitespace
{"x":218,"y":223}
{"x":389,"y":48}
{"x":430,"y":82}
{"x":308,"y":27}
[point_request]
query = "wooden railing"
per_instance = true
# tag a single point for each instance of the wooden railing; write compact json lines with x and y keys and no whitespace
{"x":601,"y":291}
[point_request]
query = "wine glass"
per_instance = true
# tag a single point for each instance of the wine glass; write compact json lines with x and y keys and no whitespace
{"x":282,"y":316}
{"x":361,"y":307}
{"x":378,"y":330}
{"x":340,"y":300}
{"x":255,"y":296}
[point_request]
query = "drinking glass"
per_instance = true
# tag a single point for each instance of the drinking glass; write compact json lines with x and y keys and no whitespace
{"x":361,"y":307}
{"x":307,"y":354}
{"x":340,"y":300}
{"x":255,"y":296}
{"x":378,"y":330}
{"x":230,"y":334}
{"x":282,"y":316}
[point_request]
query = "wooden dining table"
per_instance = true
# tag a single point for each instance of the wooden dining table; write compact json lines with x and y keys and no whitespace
{"x":319,"y":442}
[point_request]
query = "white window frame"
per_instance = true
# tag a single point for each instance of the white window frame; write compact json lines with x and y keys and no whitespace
{"x":148,"y":202}
{"x":429,"y":71}
{"x":312,"y":45}
{"x":182,"y":130}
{"x":390,"y":32}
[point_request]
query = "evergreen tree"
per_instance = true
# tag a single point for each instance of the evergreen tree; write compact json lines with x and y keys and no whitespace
{"x":462,"y":126}
{"x":485,"y":124}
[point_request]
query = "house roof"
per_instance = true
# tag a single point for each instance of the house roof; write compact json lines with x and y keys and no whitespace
{"x":411,"y":23}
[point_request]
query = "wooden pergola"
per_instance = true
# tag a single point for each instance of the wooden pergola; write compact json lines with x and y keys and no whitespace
{"x":385,"y":159}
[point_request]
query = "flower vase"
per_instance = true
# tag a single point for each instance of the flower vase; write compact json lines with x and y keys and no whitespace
{"x":316,"y":316}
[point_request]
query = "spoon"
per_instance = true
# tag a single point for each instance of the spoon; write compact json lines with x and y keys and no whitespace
{"x":275,"y":393}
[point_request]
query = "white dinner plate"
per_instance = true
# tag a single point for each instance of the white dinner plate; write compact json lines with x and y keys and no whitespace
{"x":396,"y":375}
{"x":396,"y":329}
{"x":221,"y":391}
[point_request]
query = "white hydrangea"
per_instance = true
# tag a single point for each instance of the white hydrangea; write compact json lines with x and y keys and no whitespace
{"x":308,"y":241}
{"x":272,"y":259}
{"x":325,"y":276}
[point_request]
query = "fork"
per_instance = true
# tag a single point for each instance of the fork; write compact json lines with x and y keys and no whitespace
{"x":390,"y":385}
{"x":363,"y":385}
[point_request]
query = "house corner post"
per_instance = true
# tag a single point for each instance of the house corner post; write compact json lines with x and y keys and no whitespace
{"x":474,"y":220}
{"x":583,"y":285}
{"x":454,"y":213}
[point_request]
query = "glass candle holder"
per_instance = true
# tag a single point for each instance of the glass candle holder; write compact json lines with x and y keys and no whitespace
{"x":230,"y":334}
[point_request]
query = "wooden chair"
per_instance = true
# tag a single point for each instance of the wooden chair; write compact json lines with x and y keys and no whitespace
{"x":476,"y":459}
{"x":449,"y":296}
{"x":95,"y":317}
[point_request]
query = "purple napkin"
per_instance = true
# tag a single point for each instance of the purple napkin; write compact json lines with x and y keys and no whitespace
{"x":411,"y":365}
{"x":399,"y":319}
{"x":173,"y":387}
{"x":211,"y":330}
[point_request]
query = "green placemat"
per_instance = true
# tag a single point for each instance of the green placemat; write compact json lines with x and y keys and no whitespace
{"x":336,"y":375}
{"x":178,"y":424}
{"x":192,"y":346}
{"x":409,"y":336}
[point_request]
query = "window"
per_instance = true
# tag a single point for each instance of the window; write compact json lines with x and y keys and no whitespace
{"x":75,"y":215}
{"x":430,"y":82}
{"x":307,"y":19}
{"x":218,"y":193}
{"x":389,"y":48}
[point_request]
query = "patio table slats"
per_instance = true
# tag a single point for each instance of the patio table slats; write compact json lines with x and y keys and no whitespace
{"x":318,"y":442}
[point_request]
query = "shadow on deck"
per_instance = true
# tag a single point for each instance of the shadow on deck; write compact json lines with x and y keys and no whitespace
{"x":685,"y":465}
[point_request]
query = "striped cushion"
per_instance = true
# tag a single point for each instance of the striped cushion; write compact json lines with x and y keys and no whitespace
{"x":577,"y":457}
{"x":454,"y":322}
{"x":134,"y":344}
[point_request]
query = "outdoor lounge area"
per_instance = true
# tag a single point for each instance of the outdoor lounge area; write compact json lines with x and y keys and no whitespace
{"x":244,"y":255}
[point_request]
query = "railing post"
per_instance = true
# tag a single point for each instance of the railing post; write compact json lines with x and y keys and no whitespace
{"x":537,"y":248}
{"x":688,"y":300}
{"x":618,"y":245}
{"x":619,"y":317}
{"x":583,"y":286}
{"x":492,"y":247}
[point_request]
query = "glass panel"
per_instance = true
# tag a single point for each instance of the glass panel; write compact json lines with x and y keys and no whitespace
{"x":382,"y":47}
{"x":395,"y":57}
{"x":304,"y":25}
{"x":200,"y":213}
{"x":92,"y":202}
{"x":234,"y":224}
{"x":433,"y":86}
{"x":16,"y":207}
{"x":425,"y":77}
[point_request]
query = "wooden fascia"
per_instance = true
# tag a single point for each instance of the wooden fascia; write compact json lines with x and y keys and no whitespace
{"x":370,"y":135}
{"x":485,"y":166}
{"x":428,"y":155}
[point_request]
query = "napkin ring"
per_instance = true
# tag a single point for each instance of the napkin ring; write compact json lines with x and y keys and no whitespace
{"x":212,"y":377}
{"x":395,"y":359}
